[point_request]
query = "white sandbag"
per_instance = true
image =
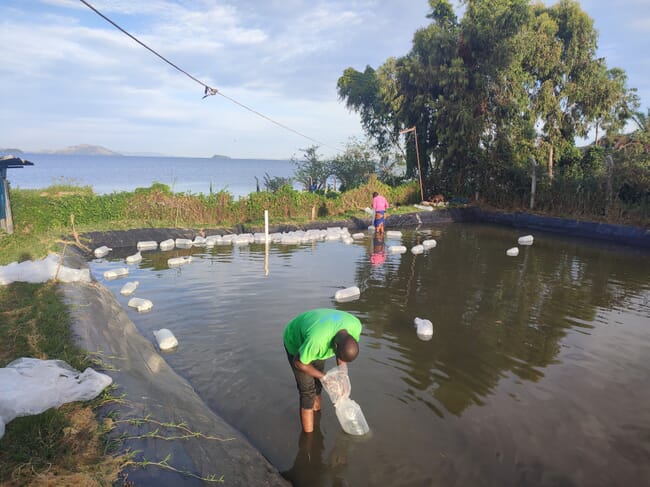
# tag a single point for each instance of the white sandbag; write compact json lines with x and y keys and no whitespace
{"x":147,"y":245}
{"x":41,"y":271}
{"x":198,"y":241}
{"x":183,"y":243}
{"x":417,"y":249}
{"x":358,"y":236}
{"x":513,"y":252}
{"x":30,"y":386}
{"x":429,"y":244}
{"x":394,"y":234}
{"x":424,"y":329}
{"x":347,"y":294}
{"x":129,"y":288}
{"x":168,"y":244}
{"x":135,"y":258}
{"x":396,"y":249}
{"x":212,"y":240}
{"x":140,"y":304}
{"x":166,"y":339}
{"x":370,"y":211}
{"x":178,"y":261}
{"x":102,"y":251}
{"x":116,"y":273}
{"x":525,"y":240}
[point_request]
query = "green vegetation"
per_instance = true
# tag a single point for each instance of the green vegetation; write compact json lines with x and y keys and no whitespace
{"x":61,"y":446}
{"x":510,"y":82}
{"x":43,"y":219}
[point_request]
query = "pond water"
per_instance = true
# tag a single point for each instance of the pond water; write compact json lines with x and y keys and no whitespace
{"x":537,"y":372}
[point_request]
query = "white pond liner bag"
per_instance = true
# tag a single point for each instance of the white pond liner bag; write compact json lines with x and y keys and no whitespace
{"x":30,"y":386}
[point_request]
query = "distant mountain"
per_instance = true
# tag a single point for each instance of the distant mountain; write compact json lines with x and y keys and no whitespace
{"x":219,"y":156}
{"x":9,"y":150}
{"x":85,"y":150}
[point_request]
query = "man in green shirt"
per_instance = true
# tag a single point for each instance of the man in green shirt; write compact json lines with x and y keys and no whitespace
{"x":311,"y":338}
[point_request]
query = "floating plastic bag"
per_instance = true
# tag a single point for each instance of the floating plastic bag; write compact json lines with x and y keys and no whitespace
{"x":102,"y":251}
{"x":166,"y":339}
{"x":429,"y":244}
{"x":513,"y":252}
{"x":135,"y":258}
{"x":347,"y":294}
{"x":178,"y":261}
{"x":525,"y":240}
{"x":140,"y":304}
{"x":147,"y":245}
{"x":129,"y":288}
{"x":116,"y":273}
{"x":168,"y":244}
{"x":424,"y":329}
{"x":417,"y":249}
{"x":30,"y":386}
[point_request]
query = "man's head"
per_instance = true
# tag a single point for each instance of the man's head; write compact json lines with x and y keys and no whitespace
{"x":345,"y":346}
{"x":375,"y":194}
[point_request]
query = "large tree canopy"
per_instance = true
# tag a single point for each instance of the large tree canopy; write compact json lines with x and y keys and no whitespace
{"x":509,"y":80}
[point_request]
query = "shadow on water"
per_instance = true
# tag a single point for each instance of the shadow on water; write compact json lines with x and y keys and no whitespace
{"x":536,"y":373}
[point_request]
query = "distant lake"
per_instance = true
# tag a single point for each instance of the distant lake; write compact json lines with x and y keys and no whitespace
{"x":108,"y":174}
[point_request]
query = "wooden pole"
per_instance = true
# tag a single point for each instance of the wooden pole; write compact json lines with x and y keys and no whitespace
{"x":417,"y":155}
{"x":533,"y":181}
{"x":7,"y":220}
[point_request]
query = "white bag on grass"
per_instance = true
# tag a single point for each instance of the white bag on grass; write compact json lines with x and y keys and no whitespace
{"x":30,"y":386}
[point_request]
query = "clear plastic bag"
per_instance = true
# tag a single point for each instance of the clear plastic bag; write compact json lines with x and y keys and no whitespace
{"x":351,"y":418}
{"x":337,"y":383}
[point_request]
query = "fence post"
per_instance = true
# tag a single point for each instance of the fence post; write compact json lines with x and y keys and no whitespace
{"x":533,"y":181}
{"x":609,"y":162}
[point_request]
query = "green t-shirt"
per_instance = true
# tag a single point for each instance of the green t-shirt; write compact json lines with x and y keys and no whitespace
{"x":311,"y":333}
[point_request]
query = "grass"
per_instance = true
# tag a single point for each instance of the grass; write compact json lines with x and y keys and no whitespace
{"x":64,"y":446}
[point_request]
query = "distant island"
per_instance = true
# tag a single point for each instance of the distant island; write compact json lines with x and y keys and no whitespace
{"x":85,"y":150}
{"x":219,"y":156}
{"x":80,"y":150}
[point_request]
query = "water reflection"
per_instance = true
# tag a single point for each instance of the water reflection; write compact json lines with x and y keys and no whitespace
{"x":536,"y":372}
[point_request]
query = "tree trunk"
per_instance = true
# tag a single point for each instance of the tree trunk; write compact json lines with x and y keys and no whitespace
{"x":550,"y":161}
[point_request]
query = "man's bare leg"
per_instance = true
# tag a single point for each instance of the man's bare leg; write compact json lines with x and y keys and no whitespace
{"x":317,"y":404}
{"x":307,"y":420}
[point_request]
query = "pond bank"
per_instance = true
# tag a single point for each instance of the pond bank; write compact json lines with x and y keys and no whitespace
{"x":620,"y":234}
{"x":162,"y":419}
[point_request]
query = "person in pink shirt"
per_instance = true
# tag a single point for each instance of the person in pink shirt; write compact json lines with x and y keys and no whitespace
{"x":379,"y":205}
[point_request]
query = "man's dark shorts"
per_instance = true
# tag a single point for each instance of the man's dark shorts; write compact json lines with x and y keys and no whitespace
{"x":308,"y":387}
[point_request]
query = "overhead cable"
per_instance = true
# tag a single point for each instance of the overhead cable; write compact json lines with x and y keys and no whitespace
{"x":208,"y":90}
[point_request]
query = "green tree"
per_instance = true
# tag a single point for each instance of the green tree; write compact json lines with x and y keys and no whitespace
{"x":354,"y":167}
{"x":311,"y":169}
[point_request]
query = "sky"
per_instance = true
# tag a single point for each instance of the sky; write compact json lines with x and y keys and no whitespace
{"x":68,"y":77}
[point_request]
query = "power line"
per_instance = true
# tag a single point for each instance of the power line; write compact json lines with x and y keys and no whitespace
{"x":208,"y":90}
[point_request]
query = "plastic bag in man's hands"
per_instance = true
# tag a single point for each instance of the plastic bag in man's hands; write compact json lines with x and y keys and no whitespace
{"x":337,"y":383}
